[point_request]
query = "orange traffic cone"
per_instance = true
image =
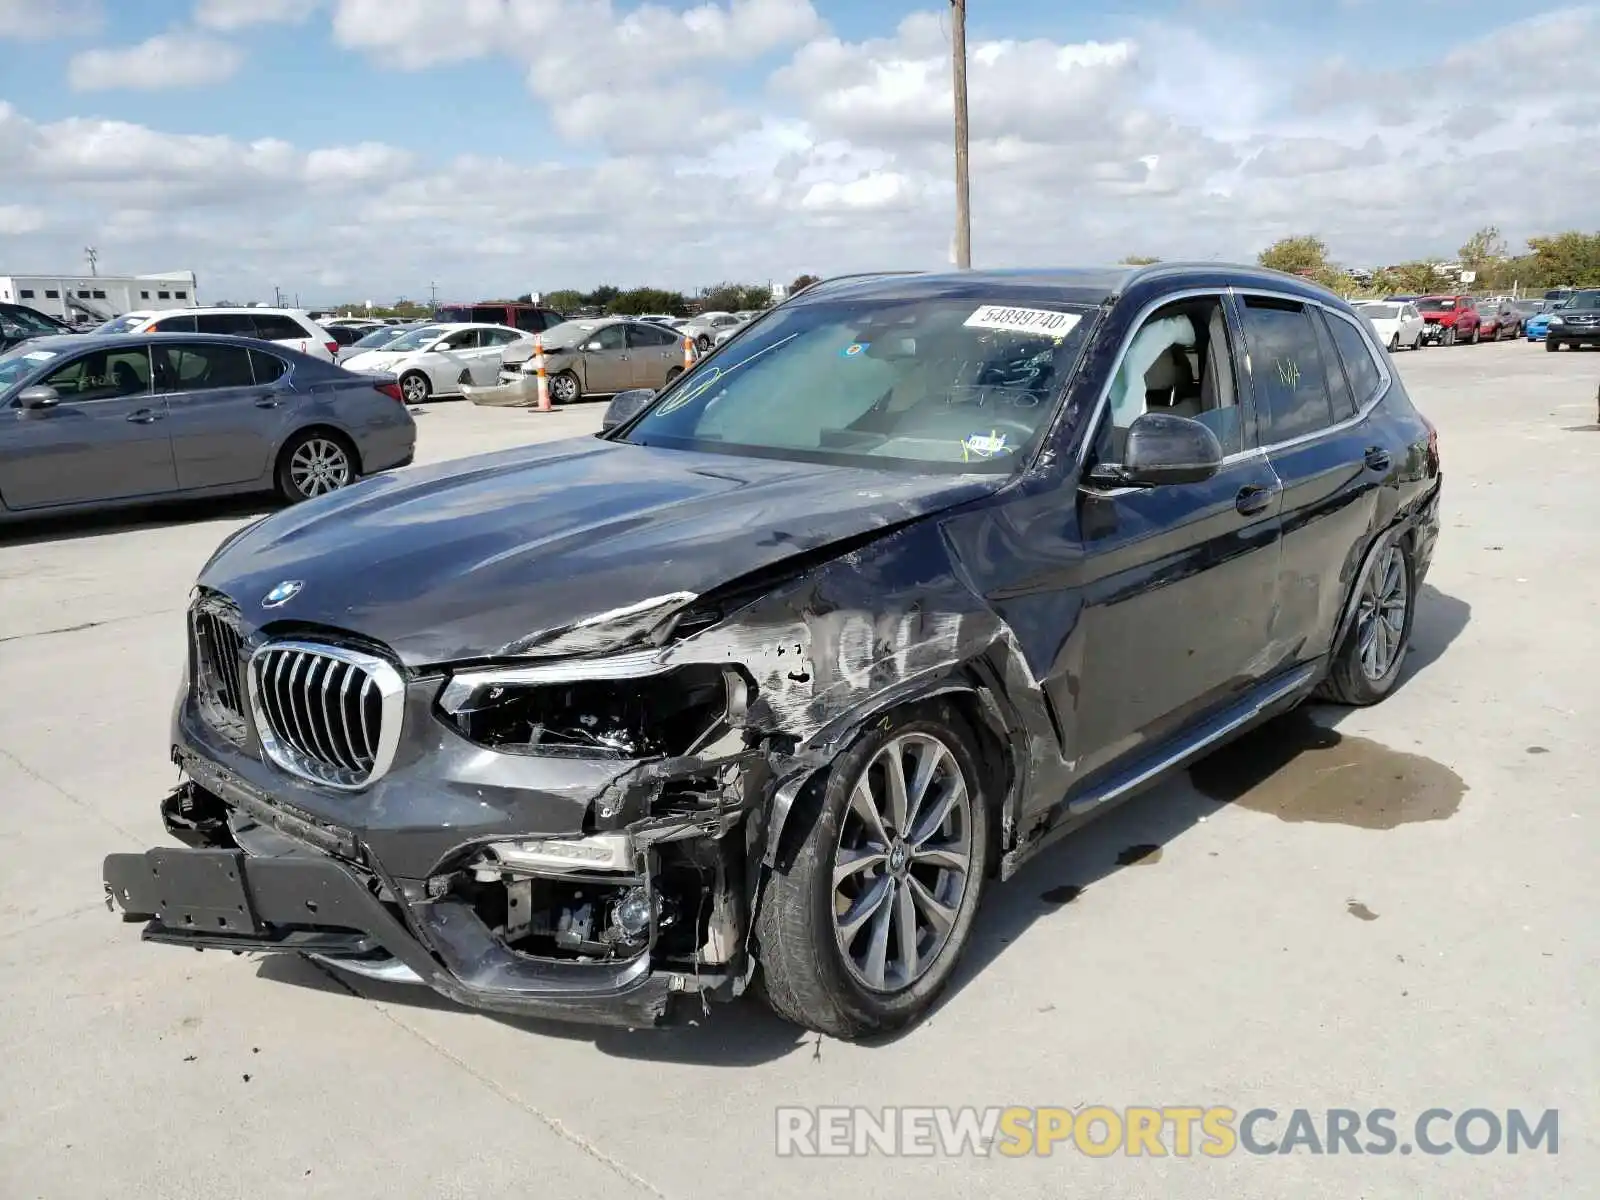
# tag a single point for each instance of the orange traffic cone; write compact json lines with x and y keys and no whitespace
{"x":538,"y":368}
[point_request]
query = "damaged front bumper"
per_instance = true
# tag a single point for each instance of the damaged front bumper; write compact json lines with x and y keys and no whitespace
{"x":244,"y":884}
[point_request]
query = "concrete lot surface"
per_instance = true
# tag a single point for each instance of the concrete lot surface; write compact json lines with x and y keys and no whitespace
{"x":1398,"y":914}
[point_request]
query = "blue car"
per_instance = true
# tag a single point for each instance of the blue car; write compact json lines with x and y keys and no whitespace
{"x":1535,"y":327}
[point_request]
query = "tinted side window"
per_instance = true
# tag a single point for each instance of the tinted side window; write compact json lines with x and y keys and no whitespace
{"x":266,"y":367}
{"x":201,"y":366}
{"x":174,"y":325}
{"x":531,"y":320}
{"x":1356,"y":354}
{"x":238,"y":324}
{"x":274,"y":327}
{"x":611,"y":337}
{"x":644,"y":335}
{"x":1339,"y":394}
{"x":1291,"y":385}
{"x":103,"y":375}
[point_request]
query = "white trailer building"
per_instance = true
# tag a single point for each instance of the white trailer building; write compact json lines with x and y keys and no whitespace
{"x":91,"y":299}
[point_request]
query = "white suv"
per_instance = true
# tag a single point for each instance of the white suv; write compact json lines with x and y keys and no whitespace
{"x":289,"y":327}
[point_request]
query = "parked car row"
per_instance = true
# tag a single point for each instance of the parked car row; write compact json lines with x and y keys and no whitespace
{"x":1445,"y":320}
{"x":1574,"y":322}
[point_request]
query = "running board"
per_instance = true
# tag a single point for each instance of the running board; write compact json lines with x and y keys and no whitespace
{"x":1203,"y":737}
{"x":1063,"y":818}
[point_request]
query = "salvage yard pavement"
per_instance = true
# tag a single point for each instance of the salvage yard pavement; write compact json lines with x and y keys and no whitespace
{"x":1389,"y":908}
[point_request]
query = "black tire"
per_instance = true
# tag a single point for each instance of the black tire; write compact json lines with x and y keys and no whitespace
{"x":703,"y":342}
{"x":315,"y":462}
{"x":673,"y":374}
{"x":804,"y":977}
{"x":1473,"y":340}
{"x":565,"y":388}
{"x":415,"y":387}
{"x":1449,"y":337}
{"x":1551,"y":344}
{"x":1394,"y":343}
{"x":1348,"y":681}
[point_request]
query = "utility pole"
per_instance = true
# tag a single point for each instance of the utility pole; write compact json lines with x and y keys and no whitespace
{"x":93,"y":256}
{"x":433,"y":297}
{"x":958,"y":46}
{"x":277,"y":296}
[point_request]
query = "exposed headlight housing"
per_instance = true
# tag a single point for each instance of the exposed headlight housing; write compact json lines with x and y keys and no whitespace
{"x":624,"y":707}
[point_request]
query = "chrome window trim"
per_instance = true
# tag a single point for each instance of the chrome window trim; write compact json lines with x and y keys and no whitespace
{"x":391,"y":690}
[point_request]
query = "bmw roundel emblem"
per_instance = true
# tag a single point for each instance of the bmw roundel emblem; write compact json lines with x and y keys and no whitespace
{"x":282,"y":594}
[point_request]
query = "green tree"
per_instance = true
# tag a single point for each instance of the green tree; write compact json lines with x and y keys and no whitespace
{"x":1566,"y":259}
{"x":1305,"y":254}
{"x":802,"y":282}
{"x":649,"y":300}
{"x":732,"y":297}
{"x":564,"y":299}
{"x":1415,"y":278}
{"x":1482,"y":248}
{"x":602,"y":296}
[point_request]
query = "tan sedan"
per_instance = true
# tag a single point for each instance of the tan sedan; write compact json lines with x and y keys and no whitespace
{"x":607,"y":356}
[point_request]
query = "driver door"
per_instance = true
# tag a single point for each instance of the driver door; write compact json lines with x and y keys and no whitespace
{"x":106,"y":438}
{"x":607,"y":363}
{"x":1177,"y":582}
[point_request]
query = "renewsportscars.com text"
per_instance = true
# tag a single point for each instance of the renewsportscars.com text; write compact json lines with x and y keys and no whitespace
{"x":1100,"y":1131}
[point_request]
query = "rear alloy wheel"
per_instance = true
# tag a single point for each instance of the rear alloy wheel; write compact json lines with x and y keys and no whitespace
{"x":415,"y":387}
{"x":564,"y":388}
{"x":859,"y":928}
{"x":314,"y":464}
{"x":1394,"y":343}
{"x":1473,"y":340}
{"x":1368,"y":662}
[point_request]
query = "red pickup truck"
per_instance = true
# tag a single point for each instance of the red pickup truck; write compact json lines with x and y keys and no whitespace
{"x":1450,"y":319}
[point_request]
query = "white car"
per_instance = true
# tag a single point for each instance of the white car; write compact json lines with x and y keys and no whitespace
{"x":435,"y":360}
{"x":1398,"y":322}
{"x":290,"y":327}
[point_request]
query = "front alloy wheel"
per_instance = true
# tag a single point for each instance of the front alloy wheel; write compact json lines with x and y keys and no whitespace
{"x":902,"y":862}
{"x":564,"y":388}
{"x":878,"y":878}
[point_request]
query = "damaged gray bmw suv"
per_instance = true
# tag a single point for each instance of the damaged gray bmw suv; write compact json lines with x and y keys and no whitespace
{"x":762,"y":686}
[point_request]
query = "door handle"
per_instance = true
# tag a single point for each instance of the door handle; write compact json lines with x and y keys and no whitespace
{"x":1254,"y":499}
{"x":1377,"y":459}
{"x":144,"y":416}
{"x":269,"y":402}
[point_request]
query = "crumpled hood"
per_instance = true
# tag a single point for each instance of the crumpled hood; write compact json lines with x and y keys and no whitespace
{"x":464,"y":559}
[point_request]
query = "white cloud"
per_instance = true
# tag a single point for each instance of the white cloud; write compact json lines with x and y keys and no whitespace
{"x":38,"y":20}
{"x":166,"y":61}
{"x":670,"y":168}
{"x":229,"y":15}
{"x":18,"y":219}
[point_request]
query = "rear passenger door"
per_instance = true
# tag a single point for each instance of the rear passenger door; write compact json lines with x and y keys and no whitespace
{"x":224,"y":423}
{"x":1312,"y":414}
{"x":654,"y":353}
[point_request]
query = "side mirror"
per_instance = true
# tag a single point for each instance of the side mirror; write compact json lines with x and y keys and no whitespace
{"x":1163,"y":448}
{"x":40,"y":395}
{"x":625,"y":406}
{"x":591,"y":346}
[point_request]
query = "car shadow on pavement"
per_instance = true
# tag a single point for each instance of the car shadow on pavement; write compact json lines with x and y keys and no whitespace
{"x":162,"y":512}
{"x":1132,"y":835}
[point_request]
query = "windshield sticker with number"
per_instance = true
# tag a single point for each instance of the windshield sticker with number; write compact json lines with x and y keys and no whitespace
{"x":984,"y":445}
{"x":39,"y":355}
{"x":1023,"y":320}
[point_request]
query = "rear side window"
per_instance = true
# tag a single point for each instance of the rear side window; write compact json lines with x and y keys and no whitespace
{"x":201,"y":366}
{"x":1359,"y":365}
{"x":267,"y":367}
{"x":529,"y":320}
{"x":1339,"y":393}
{"x":275,"y":327}
{"x":174,"y":325}
{"x":1291,"y":383}
{"x":238,"y":324}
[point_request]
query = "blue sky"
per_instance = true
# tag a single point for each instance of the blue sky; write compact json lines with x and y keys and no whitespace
{"x":343,"y":147}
